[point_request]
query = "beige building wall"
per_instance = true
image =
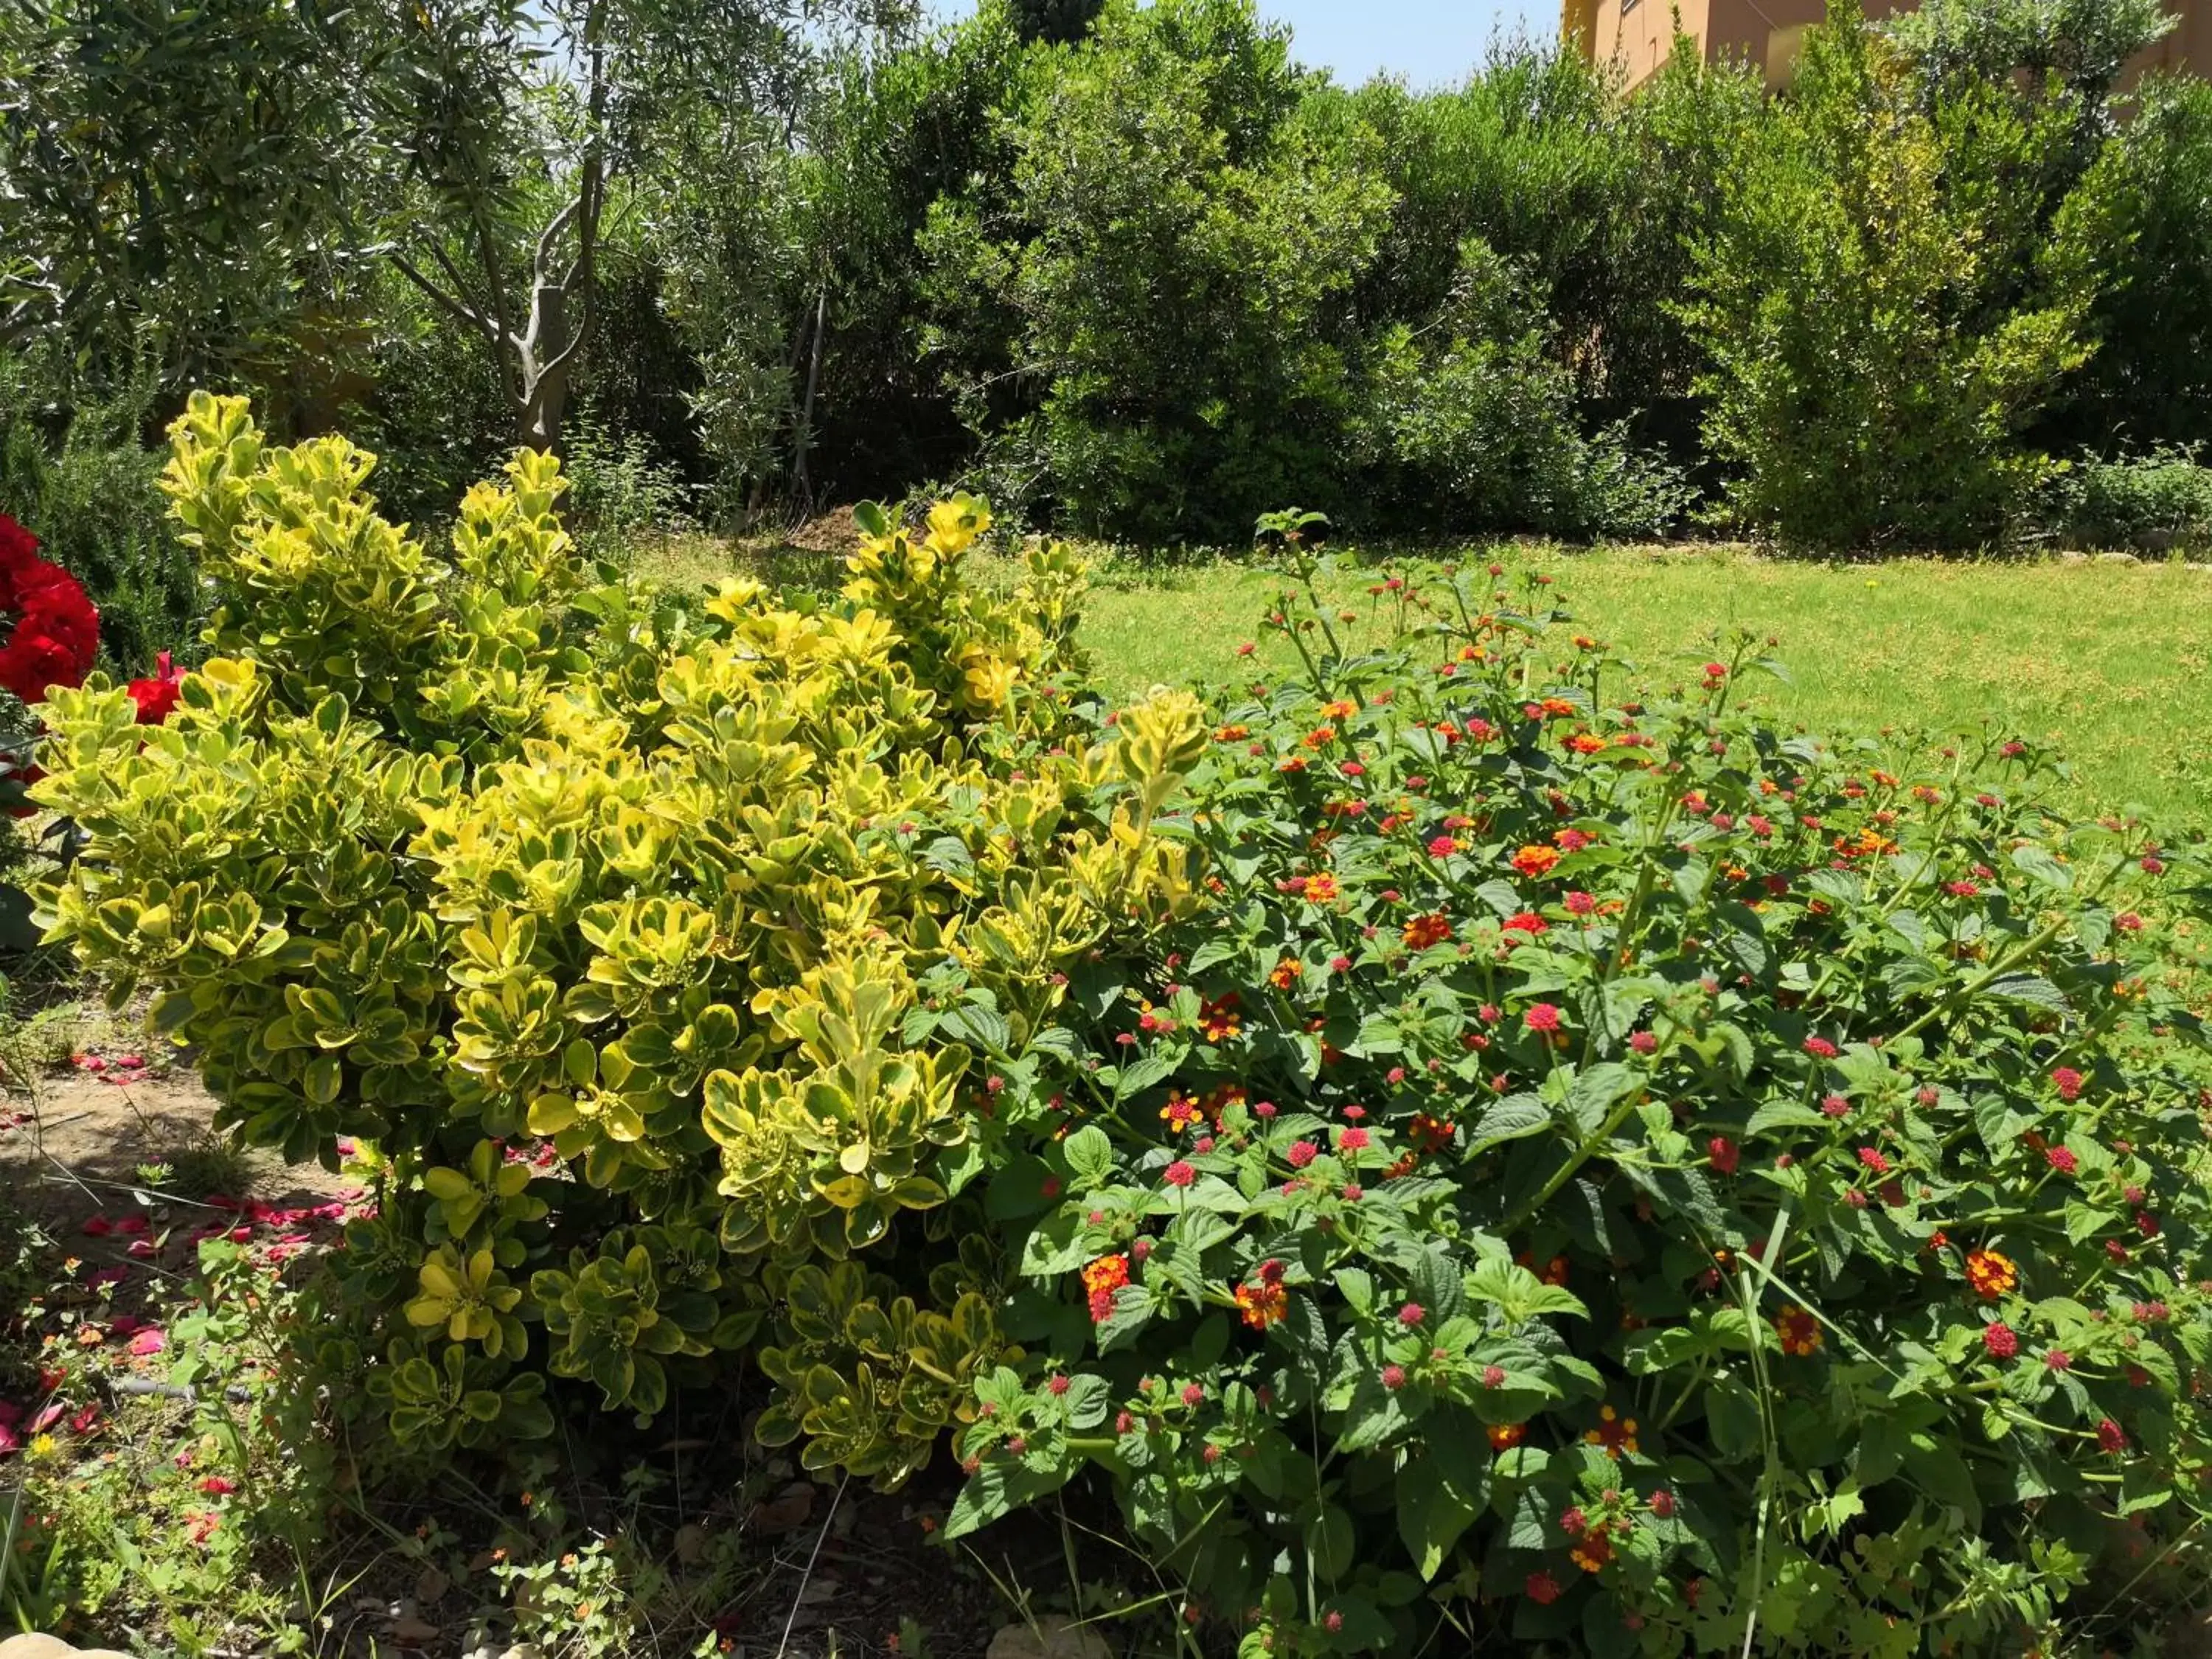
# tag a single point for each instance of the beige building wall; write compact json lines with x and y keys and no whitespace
{"x":1767,"y":34}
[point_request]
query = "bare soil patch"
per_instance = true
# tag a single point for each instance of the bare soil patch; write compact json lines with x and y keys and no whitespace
{"x":80,"y":1146}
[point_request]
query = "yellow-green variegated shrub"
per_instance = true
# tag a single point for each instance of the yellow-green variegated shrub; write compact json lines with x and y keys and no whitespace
{"x":665,"y":959}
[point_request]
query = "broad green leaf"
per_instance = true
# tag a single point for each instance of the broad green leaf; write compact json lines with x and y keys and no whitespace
{"x":1509,"y":1119}
{"x":1431,"y":1515}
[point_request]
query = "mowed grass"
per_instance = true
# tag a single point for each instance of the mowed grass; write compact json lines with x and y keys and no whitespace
{"x":2110,"y":661}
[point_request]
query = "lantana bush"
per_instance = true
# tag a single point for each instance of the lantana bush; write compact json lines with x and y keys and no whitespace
{"x":1458,"y":1140}
{"x":1646,"y":1181}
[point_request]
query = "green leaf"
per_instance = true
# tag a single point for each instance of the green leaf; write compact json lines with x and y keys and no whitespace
{"x":1304,"y":1331}
{"x":1431,"y":1515}
{"x":1054,"y":1247}
{"x":1212,"y":954}
{"x":1840,"y":1508}
{"x":1358,"y":1289}
{"x":986,"y":1027}
{"x":1691,"y":877}
{"x":1088,"y":1398}
{"x":1090,"y":1156}
{"x":1939,"y":1469}
{"x":1143,"y":1073}
{"x":1879,"y":1452}
{"x":1782,"y":1114}
{"x":1593,"y":1092}
{"x":995,"y":1490}
{"x":1841,"y":888}
{"x":2040,"y":864}
{"x":1329,"y":1541}
{"x":1438,"y":1282}
{"x":1378,"y":1034}
{"x":2030,"y":988}
{"x":1510,"y":1119}
{"x":1518,"y":1294}
{"x":1732,"y":1415}
{"x":580,"y":1063}
{"x":1501,"y":897}
{"x":324,"y":1078}
{"x":1133,"y":1308}
{"x":2093,"y":927}
{"x":1528,"y":1524}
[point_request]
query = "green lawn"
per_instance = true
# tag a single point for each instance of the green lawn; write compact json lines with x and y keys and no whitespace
{"x":2112,"y":659}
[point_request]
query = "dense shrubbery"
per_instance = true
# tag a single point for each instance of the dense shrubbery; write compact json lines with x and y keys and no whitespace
{"x":460,"y":855}
{"x":1211,"y":284}
{"x":1452,"y":1131}
{"x":1475,"y":418}
{"x":2147,"y":383}
{"x":1131,"y":267}
{"x":1885,"y":310}
{"x":1182,"y":231}
{"x":2161,"y":502}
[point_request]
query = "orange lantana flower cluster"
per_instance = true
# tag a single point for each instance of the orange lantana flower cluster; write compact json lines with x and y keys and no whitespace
{"x":1991,"y":1273}
{"x":1101,"y":1278}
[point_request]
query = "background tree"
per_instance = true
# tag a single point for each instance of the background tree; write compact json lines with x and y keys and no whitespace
{"x":2071,"y":48}
{"x":1177,"y":251}
{"x":791,"y":268}
{"x":1058,"y":22}
{"x":2150,"y":381}
{"x":1592,"y":198}
{"x":1871,"y":366}
{"x":173,"y":177}
{"x":508,"y":128}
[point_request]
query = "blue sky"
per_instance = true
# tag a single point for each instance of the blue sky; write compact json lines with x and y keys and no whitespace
{"x":1424,"y":40}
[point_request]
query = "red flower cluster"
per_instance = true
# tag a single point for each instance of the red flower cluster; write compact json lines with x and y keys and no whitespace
{"x":157,"y":697}
{"x":1101,"y":1279}
{"x":56,"y":632}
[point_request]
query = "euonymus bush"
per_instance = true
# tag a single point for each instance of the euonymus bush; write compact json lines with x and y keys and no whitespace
{"x":723,"y":918}
{"x":1456,"y":1137}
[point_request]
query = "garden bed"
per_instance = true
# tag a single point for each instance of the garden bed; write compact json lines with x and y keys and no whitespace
{"x":1453,"y":1138}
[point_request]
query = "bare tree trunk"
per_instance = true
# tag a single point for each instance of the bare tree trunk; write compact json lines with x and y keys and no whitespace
{"x":546,"y":360}
{"x":801,"y":485}
{"x":537,"y":360}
